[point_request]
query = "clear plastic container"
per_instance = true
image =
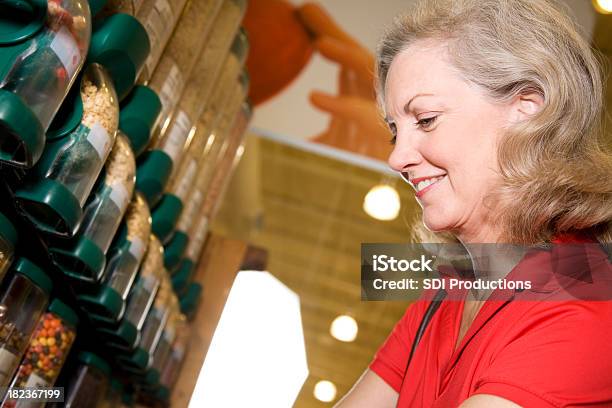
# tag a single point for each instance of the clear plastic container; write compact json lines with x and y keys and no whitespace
{"x":89,"y":383}
{"x":41,"y":53}
{"x":22,"y":303}
{"x":138,"y":224}
{"x":145,"y":290}
{"x":229,"y":157}
{"x":164,"y":345}
{"x":172,"y":367}
{"x":64,"y":177}
{"x":159,"y":17}
{"x":83,"y":258}
{"x":123,"y":260}
{"x":157,"y":317}
{"x":224,"y":94}
{"x":47,"y":352}
{"x":8,"y":240}
{"x":102,"y":221}
{"x":181,"y":52}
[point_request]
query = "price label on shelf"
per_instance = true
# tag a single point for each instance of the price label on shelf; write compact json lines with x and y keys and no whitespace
{"x":177,"y":136}
{"x":119,"y":196}
{"x":67,"y":50}
{"x":137,"y":248}
{"x":99,"y":139}
{"x":171,"y":90}
{"x":185,"y":183}
{"x":158,"y":26}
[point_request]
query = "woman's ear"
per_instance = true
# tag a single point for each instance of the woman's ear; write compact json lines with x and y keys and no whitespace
{"x":525,"y":105}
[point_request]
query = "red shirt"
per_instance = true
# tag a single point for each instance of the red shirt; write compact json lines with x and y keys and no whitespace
{"x":538,"y":353}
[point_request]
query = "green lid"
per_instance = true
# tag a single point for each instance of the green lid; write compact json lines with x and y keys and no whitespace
{"x":94,"y":360}
{"x":181,"y":278}
{"x":190,"y":299}
{"x":64,"y":312}
{"x":152,"y":376}
{"x":7,"y":230}
{"x":137,"y":361}
{"x":165,"y":216}
{"x":125,"y":336}
{"x":173,"y":251}
{"x":116,"y":385}
{"x":69,"y":116}
{"x":27,"y":18}
{"x":139,"y":113}
{"x":23,"y":136}
{"x":96,"y":5}
{"x":162,"y":393}
{"x":105,"y":305}
{"x":31,"y":271}
{"x":152,"y":175}
{"x":121,"y":44}
{"x":240,"y":45}
{"x":81,"y":259}
{"x":50,"y":206}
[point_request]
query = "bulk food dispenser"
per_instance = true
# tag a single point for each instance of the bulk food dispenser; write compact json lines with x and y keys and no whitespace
{"x":83,"y":257}
{"x":141,"y":358}
{"x":217,"y":126}
{"x":159,"y":18}
{"x":107,"y":302}
{"x":47,"y":351}
{"x":169,"y":80}
{"x":43,"y":45}
{"x":55,"y":192}
{"x":22,"y":302}
{"x":125,"y":335}
{"x":183,"y":144}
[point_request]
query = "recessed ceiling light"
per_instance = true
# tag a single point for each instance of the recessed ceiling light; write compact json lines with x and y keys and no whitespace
{"x":382,"y":202}
{"x":325,"y":391}
{"x":344,"y":328}
{"x":603,"y":6}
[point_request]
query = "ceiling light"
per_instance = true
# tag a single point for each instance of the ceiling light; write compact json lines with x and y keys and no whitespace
{"x":325,"y":391}
{"x":382,"y":202}
{"x":344,"y":328}
{"x":603,"y":6}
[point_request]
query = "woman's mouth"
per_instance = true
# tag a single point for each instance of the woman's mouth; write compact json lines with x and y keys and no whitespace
{"x":422,"y":185}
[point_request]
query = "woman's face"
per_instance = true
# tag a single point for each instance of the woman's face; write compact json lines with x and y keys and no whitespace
{"x":446,"y":132}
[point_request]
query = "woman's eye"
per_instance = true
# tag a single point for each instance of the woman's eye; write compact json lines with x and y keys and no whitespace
{"x":426,"y":123}
{"x":393,"y":130}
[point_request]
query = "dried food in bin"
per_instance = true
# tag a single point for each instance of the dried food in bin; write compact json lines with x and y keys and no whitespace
{"x":83,"y":257}
{"x":107,"y":303}
{"x":22,"y":302}
{"x":42,"y":49}
{"x":57,"y":188}
{"x":47,"y":350}
{"x":226,"y":95}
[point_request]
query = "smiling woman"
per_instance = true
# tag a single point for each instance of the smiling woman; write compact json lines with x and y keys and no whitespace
{"x":495,"y":110}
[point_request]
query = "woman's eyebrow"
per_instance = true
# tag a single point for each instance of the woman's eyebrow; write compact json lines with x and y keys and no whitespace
{"x":407,"y":106}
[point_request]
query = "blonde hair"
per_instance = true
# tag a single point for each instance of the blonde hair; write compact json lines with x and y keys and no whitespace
{"x":555,"y":171}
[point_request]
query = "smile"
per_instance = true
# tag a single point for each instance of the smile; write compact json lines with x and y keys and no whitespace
{"x":424,"y":184}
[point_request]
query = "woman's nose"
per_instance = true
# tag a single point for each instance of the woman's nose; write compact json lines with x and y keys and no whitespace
{"x":404,"y":154}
